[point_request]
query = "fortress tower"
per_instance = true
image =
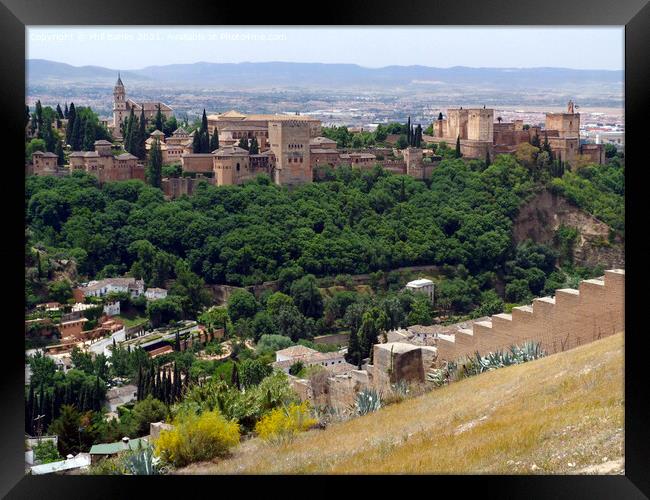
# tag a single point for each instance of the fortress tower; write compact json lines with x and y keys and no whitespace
{"x":289,"y":141}
{"x":480,"y":125}
{"x":119,"y":107}
{"x":567,"y":124}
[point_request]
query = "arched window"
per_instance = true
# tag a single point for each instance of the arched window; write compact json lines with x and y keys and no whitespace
{"x":237,"y":167}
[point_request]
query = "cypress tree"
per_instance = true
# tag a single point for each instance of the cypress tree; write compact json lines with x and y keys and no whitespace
{"x":196,"y":141}
{"x":89,"y":136}
{"x":254,"y":147}
{"x":205,"y":134}
{"x":72,"y":113}
{"x":59,"y":113}
{"x":458,"y":154}
{"x":141,"y":137}
{"x":214,"y":140}
{"x":75,"y":137}
{"x":243,"y":143}
{"x":159,"y":119}
{"x":39,"y":114}
{"x":488,"y":162}
{"x":128,"y":132}
{"x":154,"y":168}
{"x":234,"y":379}
{"x":59,"y":153}
{"x":408,"y":131}
{"x":65,"y":111}
{"x":354,"y":354}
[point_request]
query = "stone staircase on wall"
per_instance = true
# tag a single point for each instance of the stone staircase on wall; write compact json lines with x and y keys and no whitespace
{"x":570,"y":318}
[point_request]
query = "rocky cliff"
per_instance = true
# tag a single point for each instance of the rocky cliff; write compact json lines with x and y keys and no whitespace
{"x":540,"y":218}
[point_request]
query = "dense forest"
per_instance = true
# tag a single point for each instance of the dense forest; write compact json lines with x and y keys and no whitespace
{"x":353,"y":222}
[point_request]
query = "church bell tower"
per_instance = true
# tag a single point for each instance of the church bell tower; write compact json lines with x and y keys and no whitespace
{"x":119,"y":107}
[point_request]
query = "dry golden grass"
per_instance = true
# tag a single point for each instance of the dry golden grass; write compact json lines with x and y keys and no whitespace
{"x":560,"y":414}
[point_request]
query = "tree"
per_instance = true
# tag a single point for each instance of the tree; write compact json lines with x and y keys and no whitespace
{"x":402,"y":142}
{"x":59,"y":112}
{"x":254,"y":147}
{"x":129,"y":131}
{"x":60,"y":291}
{"x":252,"y":372}
{"x":88,"y":143}
{"x":67,"y":427}
{"x":276,"y":301}
{"x":354,"y":354}
{"x":409,"y":132}
{"x":162,"y":311}
{"x":214,"y":140}
{"x":66,"y":112}
{"x":34,"y":145}
{"x":204,"y":134}
{"x":76,"y":142}
{"x":68,"y":129}
{"x":147,"y":411}
{"x":457,"y":153}
{"x":241,"y":304}
{"x":214,"y":318}
{"x":60,"y":156}
{"x":488,"y":161}
{"x":196,"y":142}
{"x":159,"y":119}
{"x":190,"y":290}
{"x":234,"y":379}
{"x":42,"y":370}
{"x":420,"y":311}
{"x":307,"y":296}
{"x":154,"y":168}
{"x":243,"y":143}
{"x":141,"y":137}
{"x":268,"y":344}
{"x":291,"y":323}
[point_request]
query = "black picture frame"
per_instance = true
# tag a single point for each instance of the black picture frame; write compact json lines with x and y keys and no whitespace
{"x":633,"y":14}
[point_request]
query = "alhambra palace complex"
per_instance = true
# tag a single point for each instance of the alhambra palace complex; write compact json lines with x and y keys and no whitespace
{"x":291,"y":148}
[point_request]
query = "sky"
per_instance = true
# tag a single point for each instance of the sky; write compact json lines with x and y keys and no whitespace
{"x":512,"y":47}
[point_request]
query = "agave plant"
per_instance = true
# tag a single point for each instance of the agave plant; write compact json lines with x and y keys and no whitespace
{"x":143,"y":463}
{"x":437,"y":376}
{"x":368,"y":400}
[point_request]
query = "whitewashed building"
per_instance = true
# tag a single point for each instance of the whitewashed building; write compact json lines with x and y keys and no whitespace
{"x":422,"y":285}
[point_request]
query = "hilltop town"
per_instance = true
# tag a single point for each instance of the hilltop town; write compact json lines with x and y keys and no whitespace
{"x":263,"y":275}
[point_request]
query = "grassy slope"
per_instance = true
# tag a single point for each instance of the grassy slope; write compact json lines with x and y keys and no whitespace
{"x":560,"y":414}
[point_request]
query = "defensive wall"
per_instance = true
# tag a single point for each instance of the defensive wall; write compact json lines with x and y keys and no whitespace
{"x":569,"y":319}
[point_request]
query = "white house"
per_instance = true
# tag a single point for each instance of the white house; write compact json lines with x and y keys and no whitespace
{"x":112,"y":309}
{"x":109,"y":285}
{"x":421,"y":285}
{"x":285,"y":358}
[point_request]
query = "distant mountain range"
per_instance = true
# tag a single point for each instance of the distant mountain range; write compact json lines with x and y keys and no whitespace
{"x":284,"y":74}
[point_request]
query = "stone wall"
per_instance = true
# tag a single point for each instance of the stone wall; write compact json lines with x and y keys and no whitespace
{"x":569,"y":319}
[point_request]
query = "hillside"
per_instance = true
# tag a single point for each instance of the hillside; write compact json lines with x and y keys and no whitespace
{"x":561,"y":414}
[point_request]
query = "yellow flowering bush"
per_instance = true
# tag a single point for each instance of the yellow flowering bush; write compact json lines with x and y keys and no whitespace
{"x":196,"y":438}
{"x":282,"y":424}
